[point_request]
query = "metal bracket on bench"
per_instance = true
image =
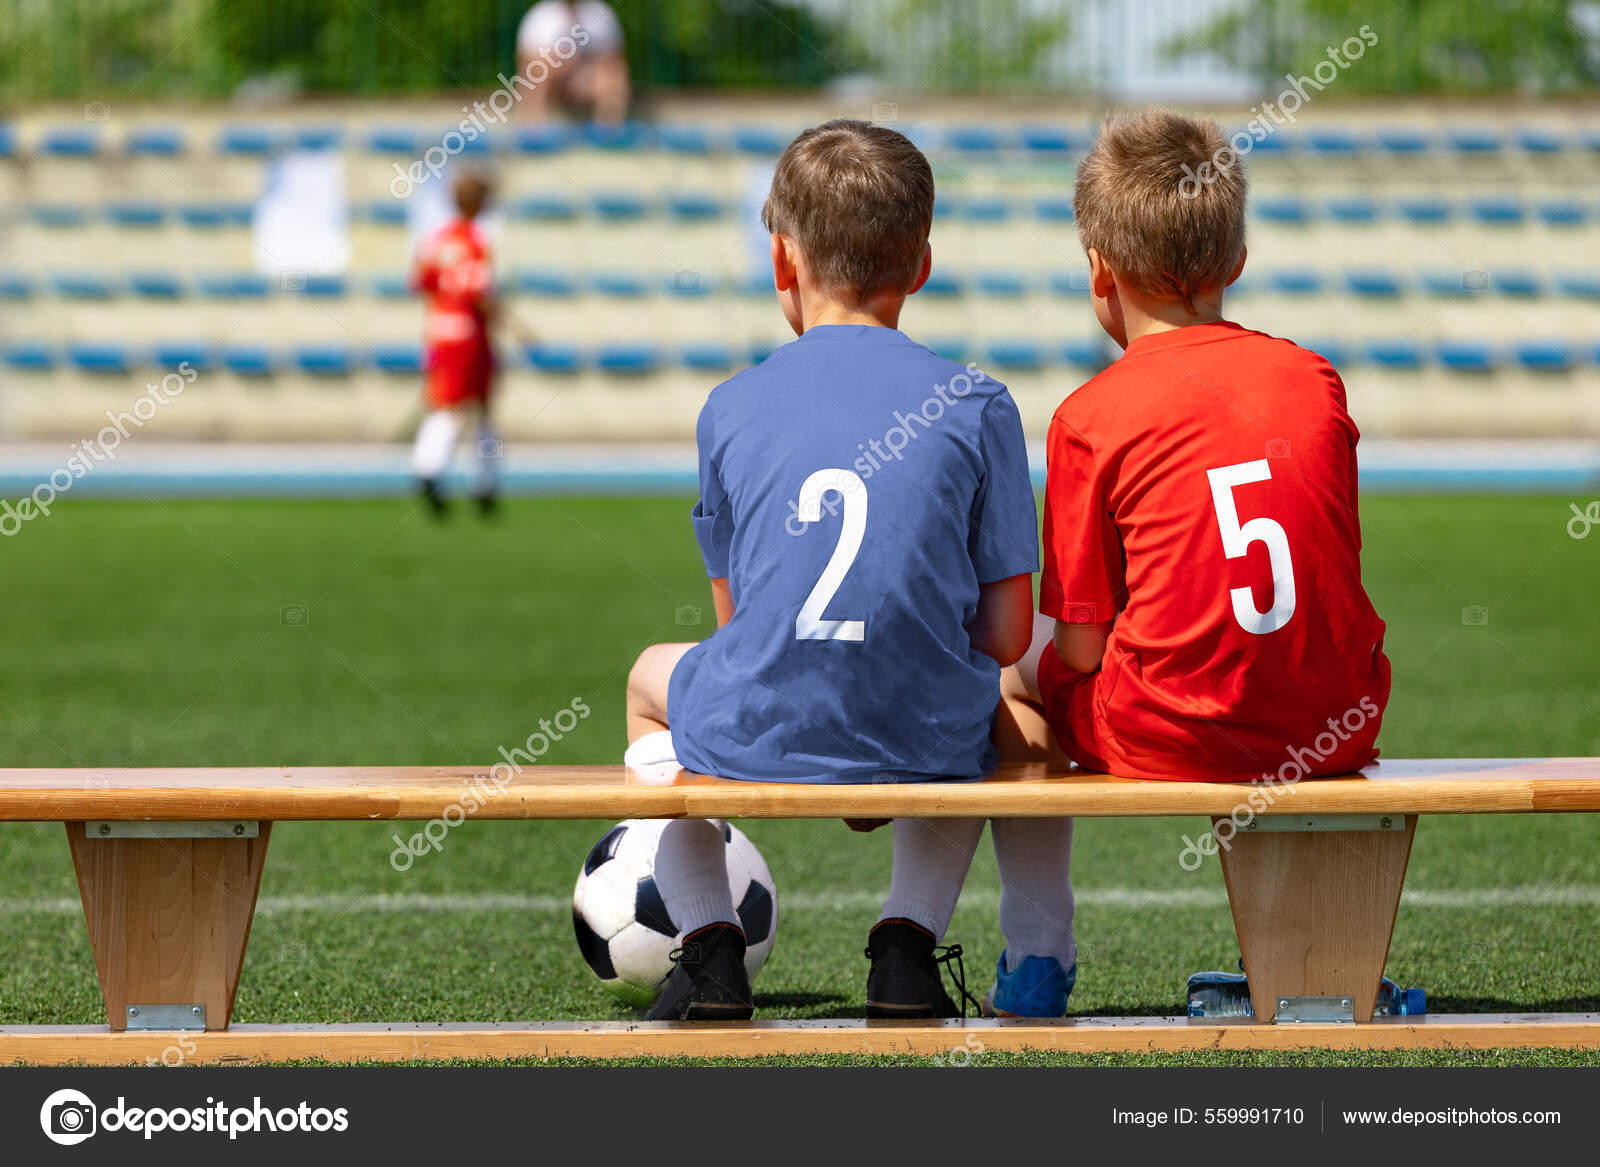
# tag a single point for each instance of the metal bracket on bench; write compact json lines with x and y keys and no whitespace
{"x":1315,"y":1011}
{"x":166,"y":1017}
{"x":1326,"y":822}
{"x":144,"y":829}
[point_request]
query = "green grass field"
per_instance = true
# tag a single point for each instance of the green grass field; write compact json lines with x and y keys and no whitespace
{"x":340,"y":633}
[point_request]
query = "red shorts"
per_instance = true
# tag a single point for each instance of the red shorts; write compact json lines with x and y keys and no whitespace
{"x":1069,"y":707}
{"x":459,"y":373}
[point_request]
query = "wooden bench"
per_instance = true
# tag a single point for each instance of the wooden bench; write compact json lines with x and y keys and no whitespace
{"x":169,"y":862}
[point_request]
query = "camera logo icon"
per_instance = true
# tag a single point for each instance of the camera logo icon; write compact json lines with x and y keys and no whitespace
{"x":1474,"y":281}
{"x":293,"y":616}
{"x":96,"y":111}
{"x":1277,"y":448}
{"x":686,"y":281}
{"x":1082,"y":614}
{"x":1475,"y":616}
{"x":885,"y":111}
{"x":491,"y":448}
{"x":687,"y":616}
{"x":68,"y":1117}
{"x":292,"y":281}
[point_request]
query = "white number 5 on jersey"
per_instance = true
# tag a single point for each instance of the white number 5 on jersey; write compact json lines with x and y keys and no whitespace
{"x":1236,"y":540}
{"x":809,"y":624}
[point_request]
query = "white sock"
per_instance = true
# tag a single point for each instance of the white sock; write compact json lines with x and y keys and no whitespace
{"x":931,"y":857}
{"x":1035,"y":860}
{"x":692,"y":874}
{"x":489,"y":456}
{"x":436,"y":443}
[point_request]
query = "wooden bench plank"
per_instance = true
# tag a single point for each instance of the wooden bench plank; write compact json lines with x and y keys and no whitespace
{"x":1438,"y":786}
{"x":957,"y":1040}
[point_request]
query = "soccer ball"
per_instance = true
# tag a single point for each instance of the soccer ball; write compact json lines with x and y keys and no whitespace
{"x":622,"y":925}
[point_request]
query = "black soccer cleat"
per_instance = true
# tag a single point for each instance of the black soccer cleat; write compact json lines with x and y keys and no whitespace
{"x":904,"y":980}
{"x":708,"y":981}
{"x":432,"y":499}
{"x":488,"y":503}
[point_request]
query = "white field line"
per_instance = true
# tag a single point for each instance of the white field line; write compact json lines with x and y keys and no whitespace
{"x":1530,"y":896}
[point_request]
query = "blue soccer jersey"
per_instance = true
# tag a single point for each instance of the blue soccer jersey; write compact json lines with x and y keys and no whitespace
{"x":855,"y":489}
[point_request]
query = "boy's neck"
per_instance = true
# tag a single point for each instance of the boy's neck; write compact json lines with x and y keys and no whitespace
{"x":879,"y":312}
{"x":1143,"y":316}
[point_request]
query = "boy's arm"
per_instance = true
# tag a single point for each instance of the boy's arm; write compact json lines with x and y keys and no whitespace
{"x":1003,"y":623}
{"x":1081,"y":646}
{"x":722,"y":600}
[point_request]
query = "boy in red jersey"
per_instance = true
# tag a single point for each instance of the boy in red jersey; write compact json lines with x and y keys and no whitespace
{"x":1202,"y":563}
{"x":455,"y":275}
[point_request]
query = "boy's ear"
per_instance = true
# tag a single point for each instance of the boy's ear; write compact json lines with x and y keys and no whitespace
{"x":783,"y":265}
{"x":1102,"y":281}
{"x":1244,"y":253}
{"x":924,"y":271}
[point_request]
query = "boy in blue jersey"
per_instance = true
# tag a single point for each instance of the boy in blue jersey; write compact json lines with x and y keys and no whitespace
{"x":867,"y":521}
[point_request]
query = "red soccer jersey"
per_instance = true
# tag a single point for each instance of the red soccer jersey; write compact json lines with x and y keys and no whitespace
{"x":455,"y":276}
{"x":1202,"y":492}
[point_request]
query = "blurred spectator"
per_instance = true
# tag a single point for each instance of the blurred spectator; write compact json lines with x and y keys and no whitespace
{"x":581,"y":44}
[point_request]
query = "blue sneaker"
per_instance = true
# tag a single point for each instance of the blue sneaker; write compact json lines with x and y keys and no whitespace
{"x":1038,"y":988}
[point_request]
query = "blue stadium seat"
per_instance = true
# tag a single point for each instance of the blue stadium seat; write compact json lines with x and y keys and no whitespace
{"x":1534,"y":140}
{"x":156,"y":285}
{"x":1295,"y":281}
{"x":623,"y":284}
{"x":944,"y":206}
{"x":8,"y":142}
{"x":1561,"y":212}
{"x":390,"y":212}
{"x":399,"y":357}
{"x":540,"y":139}
{"x":100,"y":357}
{"x":1427,"y":210}
{"x":317,"y":137}
{"x":29,"y":354}
{"x":940,"y":283}
{"x":680,"y":139}
{"x":710,"y":356}
{"x":544,"y":282}
{"x":545,"y":206}
{"x":1543,"y":356}
{"x":82,"y":285}
{"x":1443,"y":282}
{"x":758,"y":284}
{"x":1043,"y":139}
{"x":1474,"y":140}
{"x":15,"y":286}
{"x":1336,"y":352}
{"x":1395,"y":354}
{"x":694,"y":206}
{"x":759,"y":140}
{"x":1583,"y":284}
{"x":1353,"y":209}
{"x":951,"y":348}
{"x":628,"y":358}
{"x":1055,"y":208}
{"x":237,"y":285}
{"x":1015,"y":354}
{"x":170,"y":354}
{"x":155,"y":141}
{"x":760,"y":350}
{"x":1404,"y":140}
{"x":689,"y":284}
{"x":58,"y":214}
{"x":1520,"y":283}
{"x":249,"y":140}
{"x":1282,"y":209}
{"x":974,"y":139}
{"x":986,"y":209}
{"x":324,"y":360}
{"x":1373,"y":282}
{"x":69,"y":142}
{"x":1335,"y":141}
{"x":1072,"y":282}
{"x":1499,"y":210}
{"x":248,"y":360}
{"x":1465,"y":356}
{"x":136,"y":214}
{"x":1000,"y":282}
{"x":392,"y":285}
{"x":1085,"y":352}
{"x":1275,"y":142}
{"x":393,"y":140}
{"x":216,"y":214}
{"x":628,"y":136}
{"x":618,"y":204}
{"x":315,"y":285}
{"x":550,"y":357}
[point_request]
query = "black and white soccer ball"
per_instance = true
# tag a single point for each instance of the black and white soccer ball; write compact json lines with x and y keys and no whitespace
{"x":623,"y":928}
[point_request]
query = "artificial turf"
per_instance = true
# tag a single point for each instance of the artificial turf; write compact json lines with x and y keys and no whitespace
{"x":270,"y":632}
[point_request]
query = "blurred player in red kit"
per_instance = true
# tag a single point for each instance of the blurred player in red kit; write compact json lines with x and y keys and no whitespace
{"x":455,"y":275}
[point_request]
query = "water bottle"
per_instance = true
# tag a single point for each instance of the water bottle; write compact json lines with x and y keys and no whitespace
{"x":1223,"y":994}
{"x":1393,"y":1001}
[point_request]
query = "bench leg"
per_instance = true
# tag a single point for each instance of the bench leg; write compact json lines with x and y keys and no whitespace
{"x":1315,"y":909}
{"x":168,"y":918}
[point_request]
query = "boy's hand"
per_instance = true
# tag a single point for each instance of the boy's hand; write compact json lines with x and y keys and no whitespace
{"x":865,"y":826}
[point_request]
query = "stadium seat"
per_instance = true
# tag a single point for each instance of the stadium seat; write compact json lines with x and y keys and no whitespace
{"x":15,"y":286}
{"x":763,"y":140}
{"x":694,"y":206}
{"x":135,"y":214}
{"x":392,"y":140}
{"x":951,"y":348}
{"x":1533,"y":140}
{"x":1561,"y":212}
{"x":1282,"y":209}
{"x":939,"y":283}
{"x":760,"y":350}
{"x":1520,"y":283}
{"x":1498,"y":211}
{"x":392,"y":286}
{"x":100,"y":357}
{"x":758,"y":285}
{"x":1334,"y":141}
{"x":545,"y":205}
{"x":1002,"y":283}
{"x":388,"y":212}
{"x":1394,"y":354}
{"x":1403,"y":140}
{"x":628,"y":358}
{"x":1373,"y":282}
{"x":31,"y":355}
{"x":619,"y":204}
{"x":621,"y":284}
{"x":628,"y":136}
{"x":689,"y":284}
{"x":216,"y":214}
{"x":548,"y":139}
{"x":155,"y":141}
{"x":317,"y":137}
{"x":156,"y":285}
{"x":1439,"y":282}
{"x":1015,"y":354}
{"x":1581,"y":284}
{"x":1468,"y":140}
{"x":398,"y":357}
{"x":1336,"y":352}
{"x":249,"y":140}
{"x":548,"y":357}
{"x":1465,"y":356}
{"x":314,"y":285}
{"x":1086,"y":353}
{"x":82,"y":285}
{"x":69,"y":142}
{"x":1073,"y":282}
{"x":544,"y":282}
{"x":1054,"y":208}
{"x":247,"y":360}
{"x":986,"y":209}
{"x":1358,"y":209}
{"x":170,"y":354}
{"x":58,"y":215}
{"x":1543,"y":356}
{"x":972,"y":139}
{"x":1425,"y":211}
{"x":324,"y":360}
{"x":1295,"y":281}
{"x":682,"y":139}
{"x":709,"y":356}
{"x":8,"y":142}
{"x":1044,"y":139}
{"x":241,"y":285}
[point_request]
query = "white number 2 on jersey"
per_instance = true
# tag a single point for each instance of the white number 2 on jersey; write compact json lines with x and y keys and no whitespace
{"x":1236,"y":540}
{"x":809,"y":624}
